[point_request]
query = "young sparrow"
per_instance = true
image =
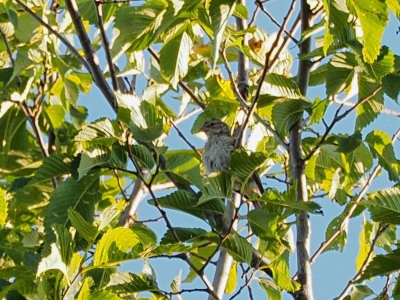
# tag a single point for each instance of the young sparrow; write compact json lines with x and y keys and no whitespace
{"x":218,"y":150}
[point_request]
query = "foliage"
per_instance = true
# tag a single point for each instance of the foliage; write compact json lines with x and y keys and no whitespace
{"x":70,"y":188}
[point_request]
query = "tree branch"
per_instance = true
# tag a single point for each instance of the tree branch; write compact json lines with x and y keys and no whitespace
{"x":297,"y":165}
{"x":90,"y":54}
{"x":106,"y":44}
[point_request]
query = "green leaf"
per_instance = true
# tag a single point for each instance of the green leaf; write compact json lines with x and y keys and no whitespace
{"x":184,"y":234}
{"x":220,"y":11}
{"x":263,"y":223}
{"x":80,"y":196}
{"x":238,"y":247}
{"x":85,"y":229}
{"x":93,"y":157}
{"x":114,"y":245}
{"x":63,"y":242}
{"x":385,"y":206}
{"x":360,"y":292}
{"x":381,"y":146}
{"x":125,"y":282}
{"x":3,"y":207}
{"x":382,"y":264}
{"x":271,"y":288}
{"x":340,"y":72}
{"x":364,"y":245}
{"x":56,"y":114}
{"x":137,"y":25}
{"x":349,"y":143}
{"x":281,"y":273}
{"x":53,"y":166}
{"x":286,"y":114}
{"x":183,"y":165}
{"x":187,"y":202}
{"x":243,"y":164}
{"x":101,"y":131}
{"x":174,"y":56}
{"x":143,"y":155}
{"x":373,"y":16}
{"x":391,"y":85}
{"x":150,"y":124}
{"x":283,"y":86}
{"x":218,"y":185}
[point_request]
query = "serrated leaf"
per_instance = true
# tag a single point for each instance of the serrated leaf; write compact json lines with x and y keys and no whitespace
{"x":80,"y":196}
{"x":174,"y":56}
{"x":238,"y":247}
{"x":186,"y":201}
{"x":125,"y":282}
{"x":340,"y":72}
{"x":364,"y":245}
{"x":381,"y":146}
{"x":283,"y":86}
{"x":218,"y":185}
{"x":87,"y":230}
{"x":114,"y":245}
{"x":349,"y":143}
{"x":63,"y":242}
{"x":281,"y":273}
{"x":184,"y":234}
{"x":243,"y":164}
{"x":286,"y":114}
{"x":263,"y":223}
{"x":373,"y":16}
{"x":360,"y":292}
{"x":101,"y":130}
{"x":137,"y":25}
{"x":93,"y":157}
{"x":385,"y":206}
{"x":53,"y":166}
{"x":220,"y":11}
{"x":382,"y":264}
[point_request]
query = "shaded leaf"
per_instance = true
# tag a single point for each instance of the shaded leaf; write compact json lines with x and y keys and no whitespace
{"x":85,"y":228}
{"x":385,"y":205}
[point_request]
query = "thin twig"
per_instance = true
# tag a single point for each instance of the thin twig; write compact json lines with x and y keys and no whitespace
{"x":261,"y":6}
{"x":364,"y":265}
{"x":385,"y":111}
{"x":106,"y":44}
{"x":182,"y":136}
{"x":351,"y":210}
{"x":119,"y":185}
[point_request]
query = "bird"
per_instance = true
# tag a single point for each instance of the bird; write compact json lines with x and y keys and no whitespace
{"x":218,"y":151}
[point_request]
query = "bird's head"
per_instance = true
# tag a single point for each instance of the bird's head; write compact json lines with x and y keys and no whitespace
{"x":215,"y":127}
